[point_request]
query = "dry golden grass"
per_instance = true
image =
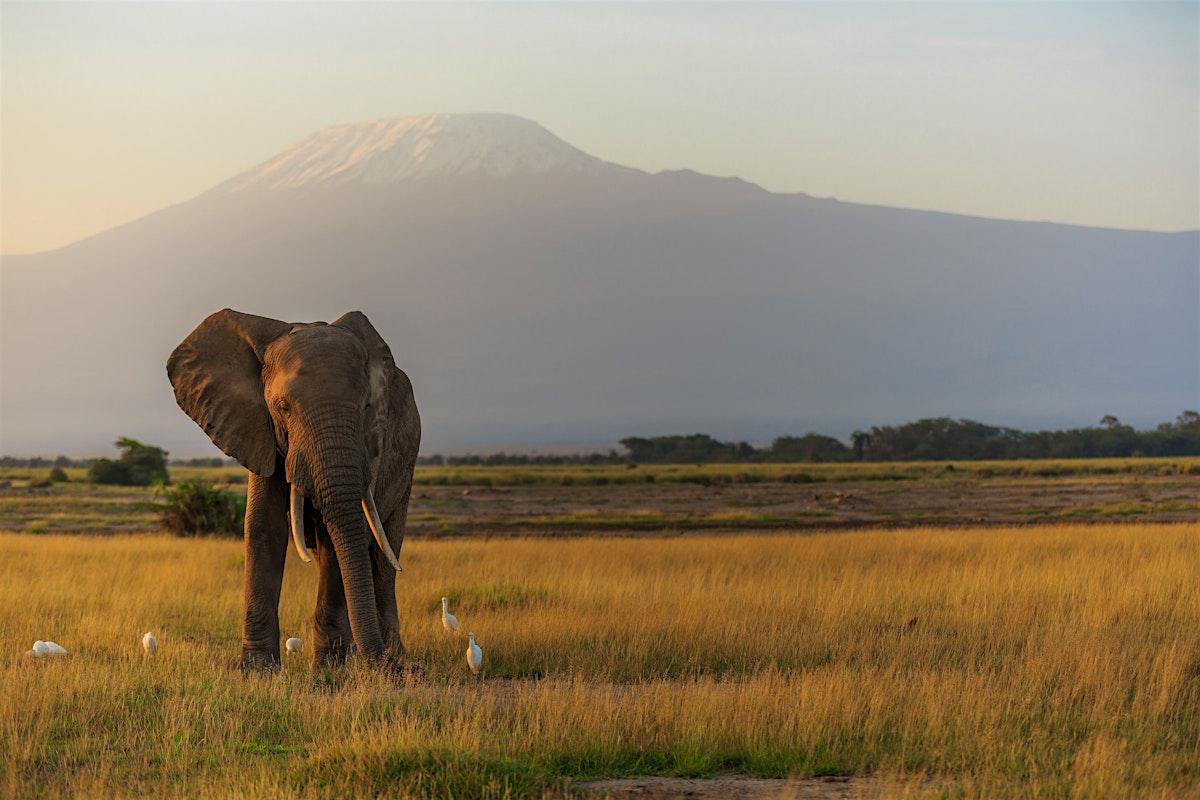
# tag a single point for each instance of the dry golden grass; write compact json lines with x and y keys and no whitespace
{"x":1048,"y":662}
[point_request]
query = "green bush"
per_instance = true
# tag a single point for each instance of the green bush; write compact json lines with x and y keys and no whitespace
{"x":195,"y":509}
{"x":139,"y":465}
{"x":58,"y":475}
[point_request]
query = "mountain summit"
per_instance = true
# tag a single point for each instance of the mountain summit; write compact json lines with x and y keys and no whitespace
{"x":430,"y":145}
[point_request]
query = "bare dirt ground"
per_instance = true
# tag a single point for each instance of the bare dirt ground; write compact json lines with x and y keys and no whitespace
{"x":740,"y":788}
{"x":667,"y":509}
{"x":955,"y":499}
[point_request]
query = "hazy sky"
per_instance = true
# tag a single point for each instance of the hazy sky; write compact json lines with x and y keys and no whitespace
{"x":1082,"y":112}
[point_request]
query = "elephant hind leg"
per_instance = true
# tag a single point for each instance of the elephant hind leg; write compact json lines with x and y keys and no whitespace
{"x":332,"y":638}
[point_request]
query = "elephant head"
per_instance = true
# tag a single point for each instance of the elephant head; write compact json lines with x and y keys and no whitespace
{"x":325,"y":422}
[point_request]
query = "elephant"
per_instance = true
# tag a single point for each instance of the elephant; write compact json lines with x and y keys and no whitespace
{"x":328,"y":427}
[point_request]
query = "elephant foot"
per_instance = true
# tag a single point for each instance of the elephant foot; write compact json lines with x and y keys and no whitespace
{"x":332,"y":655}
{"x":394,"y":649}
{"x":321,"y":660}
{"x":402,"y":673}
{"x":252,"y":662}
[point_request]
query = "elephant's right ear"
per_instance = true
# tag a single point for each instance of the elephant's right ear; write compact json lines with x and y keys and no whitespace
{"x":217,"y":375}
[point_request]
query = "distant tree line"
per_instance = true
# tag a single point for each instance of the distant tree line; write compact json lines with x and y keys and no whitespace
{"x":37,"y":462}
{"x":935,"y":439}
{"x":949,"y":439}
{"x":63,"y":462}
{"x":522,"y":459}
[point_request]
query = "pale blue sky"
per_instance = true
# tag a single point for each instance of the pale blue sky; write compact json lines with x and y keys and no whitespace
{"x":1083,"y":112}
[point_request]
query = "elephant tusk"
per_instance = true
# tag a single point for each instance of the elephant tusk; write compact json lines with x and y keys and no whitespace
{"x":376,"y":524}
{"x":298,"y":524}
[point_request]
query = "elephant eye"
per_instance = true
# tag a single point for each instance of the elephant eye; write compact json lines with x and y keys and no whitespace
{"x":283,"y":406}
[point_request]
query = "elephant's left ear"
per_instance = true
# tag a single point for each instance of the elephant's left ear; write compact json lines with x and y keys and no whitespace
{"x":381,"y":365}
{"x":357,"y":323}
{"x":391,"y":390}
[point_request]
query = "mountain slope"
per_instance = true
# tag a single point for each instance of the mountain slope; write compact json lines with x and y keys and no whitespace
{"x":588,"y":301}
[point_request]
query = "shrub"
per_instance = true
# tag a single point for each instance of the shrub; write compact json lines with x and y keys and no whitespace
{"x":195,"y":509}
{"x":796,"y":477}
{"x":58,"y":475}
{"x":105,"y":470}
{"x":139,"y":465}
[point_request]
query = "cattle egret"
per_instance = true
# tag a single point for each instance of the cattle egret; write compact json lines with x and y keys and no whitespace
{"x":474,"y":656}
{"x":448,"y":620}
{"x":46,"y":650}
{"x":149,"y":643}
{"x":293,"y":645}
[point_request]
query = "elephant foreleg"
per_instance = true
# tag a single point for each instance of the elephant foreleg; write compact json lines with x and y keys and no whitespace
{"x":266,"y":548}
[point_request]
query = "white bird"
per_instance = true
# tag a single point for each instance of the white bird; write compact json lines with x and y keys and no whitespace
{"x":46,"y":650}
{"x":293,"y":645}
{"x":149,"y":643}
{"x":449,"y":621}
{"x":474,"y":656}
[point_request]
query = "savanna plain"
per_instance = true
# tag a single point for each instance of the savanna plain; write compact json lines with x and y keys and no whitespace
{"x":738,"y":628}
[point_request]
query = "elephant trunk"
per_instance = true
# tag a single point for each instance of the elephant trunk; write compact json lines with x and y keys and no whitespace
{"x":339,"y":481}
{"x":348,"y":531}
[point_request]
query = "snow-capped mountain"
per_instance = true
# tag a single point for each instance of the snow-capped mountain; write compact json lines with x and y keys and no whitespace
{"x":538,"y":295}
{"x":431,"y":145}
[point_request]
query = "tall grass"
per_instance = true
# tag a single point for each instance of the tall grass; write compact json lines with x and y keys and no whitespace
{"x":1055,"y":662}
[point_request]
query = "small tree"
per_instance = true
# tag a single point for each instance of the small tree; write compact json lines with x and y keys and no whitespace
{"x":139,"y":465}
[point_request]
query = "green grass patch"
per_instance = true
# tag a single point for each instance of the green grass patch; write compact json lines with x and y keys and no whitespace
{"x":720,"y":474}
